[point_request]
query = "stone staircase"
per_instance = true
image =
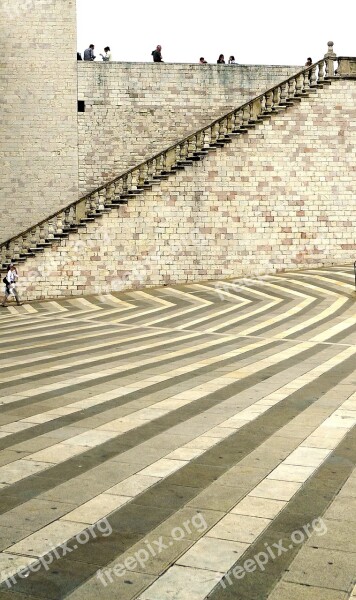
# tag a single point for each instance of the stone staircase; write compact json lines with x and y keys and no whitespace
{"x":195,"y":147}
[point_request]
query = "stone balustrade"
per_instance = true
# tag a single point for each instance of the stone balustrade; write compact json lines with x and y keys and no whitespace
{"x":190,"y":149}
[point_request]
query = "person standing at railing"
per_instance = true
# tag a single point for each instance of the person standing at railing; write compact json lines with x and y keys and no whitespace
{"x":309,"y":64}
{"x":89,"y":53}
{"x":157,"y":55}
{"x":10,"y":281}
{"x":107,"y":56}
{"x":221,"y":60}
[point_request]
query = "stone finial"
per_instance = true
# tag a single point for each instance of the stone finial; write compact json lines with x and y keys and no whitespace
{"x":330,"y":53}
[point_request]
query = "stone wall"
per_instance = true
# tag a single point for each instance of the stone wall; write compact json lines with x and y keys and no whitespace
{"x":134,"y":110}
{"x":280,"y":197}
{"x":38,"y":111}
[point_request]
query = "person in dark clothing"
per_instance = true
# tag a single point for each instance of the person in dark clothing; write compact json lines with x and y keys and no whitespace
{"x":89,"y":53}
{"x":221,"y":60}
{"x":157,"y":56}
{"x":79,"y":56}
{"x":309,"y":62}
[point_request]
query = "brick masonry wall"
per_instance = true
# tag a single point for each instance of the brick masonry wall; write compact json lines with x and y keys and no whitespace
{"x":134,"y":110}
{"x":280,"y":197}
{"x":38,"y":111}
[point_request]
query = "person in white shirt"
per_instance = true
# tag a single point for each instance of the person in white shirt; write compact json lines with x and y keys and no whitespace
{"x":107,"y":56}
{"x":10,"y":281}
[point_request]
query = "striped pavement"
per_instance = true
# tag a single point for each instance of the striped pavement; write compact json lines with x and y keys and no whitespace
{"x":165,"y":444}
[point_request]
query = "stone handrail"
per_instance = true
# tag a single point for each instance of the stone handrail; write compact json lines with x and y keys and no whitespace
{"x":191,"y":148}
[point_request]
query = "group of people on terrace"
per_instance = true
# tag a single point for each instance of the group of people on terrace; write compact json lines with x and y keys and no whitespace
{"x":156,"y":55}
{"x":90,"y":56}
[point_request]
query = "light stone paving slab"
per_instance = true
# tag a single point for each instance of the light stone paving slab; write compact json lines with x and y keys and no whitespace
{"x":290,"y":472}
{"x":184,"y":454}
{"x":258,"y":507}
{"x":239,"y":528}
{"x":163,"y":467}
{"x":20,"y":469}
{"x":294,"y":591}
{"x":132,"y":486}
{"x":307,"y":456}
{"x":46,"y":539}
{"x":12,"y":563}
{"x":96,"y":509}
{"x":212,"y":554}
{"x":182,"y":583}
{"x":54,"y":454}
{"x":276,"y":490}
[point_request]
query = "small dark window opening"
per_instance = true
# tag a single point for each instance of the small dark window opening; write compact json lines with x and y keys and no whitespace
{"x":81,"y":105}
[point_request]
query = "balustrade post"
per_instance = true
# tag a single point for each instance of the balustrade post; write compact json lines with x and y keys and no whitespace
{"x":94,"y":202}
{"x":80,"y":212}
{"x":118,"y":187}
{"x":15,"y":250}
{"x":101,"y":200}
{"x":246,"y":116}
{"x":191,"y":146}
{"x":132,"y":186}
{"x":229,"y":124}
{"x":268,"y":107}
{"x":213,"y":134}
{"x":256,"y":109}
{"x":24,"y":243}
{"x":222,"y":125}
{"x":4,"y":257}
{"x":184,"y":151}
{"x":59,"y":223}
{"x":298,"y":85}
{"x":33,"y":237}
{"x":141,"y":175}
{"x":283,"y":94}
{"x":125,"y":182}
{"x":312,"y":78}
{"x":291,"y":88}
{"x":330,"y":56}
{"x":275,"y":98}
{"x":321,"y":66}
{"x":170,"y":159}
{"x":72,"y":215}
{"x":50,"y":231}
{"x":42,"y":234}
{"x":110,"y":193}
{"x":206,"y":138}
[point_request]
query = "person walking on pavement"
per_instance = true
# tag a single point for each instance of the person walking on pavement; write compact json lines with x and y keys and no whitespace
{"x":10,"y":281}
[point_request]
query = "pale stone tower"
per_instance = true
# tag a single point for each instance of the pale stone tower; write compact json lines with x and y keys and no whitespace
{"x":38,"y":111}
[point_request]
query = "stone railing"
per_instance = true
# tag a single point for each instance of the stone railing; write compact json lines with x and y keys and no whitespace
{"x":160,"y":166}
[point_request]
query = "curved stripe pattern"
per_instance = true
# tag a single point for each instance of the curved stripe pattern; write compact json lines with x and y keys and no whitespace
{"x":227,"y":404}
